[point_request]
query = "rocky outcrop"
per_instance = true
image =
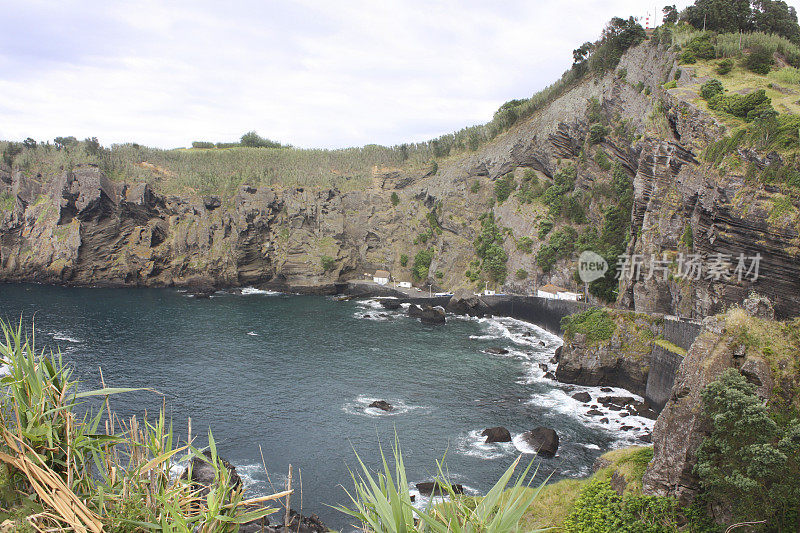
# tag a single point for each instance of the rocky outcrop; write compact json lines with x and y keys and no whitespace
{"x":427,"y":314}
{"x":763,"y":350}
{"x":496,"y":434}
{"x":383,"y":405}
{"x":465,"y":302}
{"x":431,"y":488}
{"x":202,"y":474}
{"x":544,"y":441}
{"x":623,"y":360}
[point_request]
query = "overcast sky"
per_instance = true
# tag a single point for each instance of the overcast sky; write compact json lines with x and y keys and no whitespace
{"x":310,"y":73}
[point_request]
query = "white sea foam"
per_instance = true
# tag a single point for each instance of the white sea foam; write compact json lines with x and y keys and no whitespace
{"x":61,"y":336}
{"x":360,"y":407}
{"x":474,"y":444}
{"x":249,"y":291}
{"x":252,"y":333}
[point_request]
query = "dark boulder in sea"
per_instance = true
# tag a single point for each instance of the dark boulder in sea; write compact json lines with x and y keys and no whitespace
{"x":594,"y":412}
{"x":203,"y":473}
{"x":390,"y":303}
{"x":496,"y":434}
{"x":383,"y":405}
{"x":543,"y":440}
{"x":584,"y":397}
{"x":431,"y":488}
{"x":464,"y":302}
{"x":427,"y":314}
{"x":618,"y":403}
{"x":496,"y":351}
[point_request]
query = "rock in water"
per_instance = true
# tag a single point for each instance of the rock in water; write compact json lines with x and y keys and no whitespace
{"x":543,"y":440}
{"x":427,"y":314}
{"x":584,"y":397}
{"x":203,"y":473}
{"x":496,"y":351}
{"x":496,"y":434}
{"x":383,"y":405}
{"x":390,"y":303}
{"x":431,"y":488}
{"x":464,"y":302}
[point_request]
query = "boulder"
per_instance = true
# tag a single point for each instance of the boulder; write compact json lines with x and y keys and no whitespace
{"x":211,"y":202}
{"x":383,"y":405}
{"x":543,"y":440}
{"x":200,"y":288}
{"x":497,"y":434}
{"x":390,"y":303}
{"x":203,"y":473}
{"x":584,"y":397}
{"x":758,"y":306}
{"x":427,"y":314}
{"x":496,"y":351}
{"x":431,"y":488}
{"x":464,"y":302}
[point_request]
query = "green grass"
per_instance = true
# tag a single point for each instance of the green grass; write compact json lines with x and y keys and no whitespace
{"x":671,"y":347}
{"x":7,"y":202}
{"x":557,"y":500}
{"x":595,"y":323}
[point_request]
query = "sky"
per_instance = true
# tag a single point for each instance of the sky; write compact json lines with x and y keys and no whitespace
{"x":309,"y":73}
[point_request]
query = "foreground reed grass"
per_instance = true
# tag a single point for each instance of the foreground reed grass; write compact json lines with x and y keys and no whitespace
{"x":382,"y":502}
{"x":80,"y":478}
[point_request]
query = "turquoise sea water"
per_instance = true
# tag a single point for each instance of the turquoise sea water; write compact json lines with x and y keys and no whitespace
{"x":292,"y":376}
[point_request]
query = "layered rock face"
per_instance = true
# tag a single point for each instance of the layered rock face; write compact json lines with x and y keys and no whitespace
{"x":77,"y":226}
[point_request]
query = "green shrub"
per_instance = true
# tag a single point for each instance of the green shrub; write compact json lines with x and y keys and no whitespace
{"x":711,"y":88}
{"x":251,"y":139}
{"x":504,"y":186}
{"x":725,"y":66}
{"x":529,"y":190}
{"x":521,"y":274}
{"x":489,"y":249}
{"x":599,"y":509}
{"x":403,"y":260}
{"x":748,"y":460}
{"x":602,"y":160}
{"x":670,"y":85}
{"x":202,"y":145}
{"x":328,"y":262}
{"x":748,"y":107}
{"x":395,"y":199}
{"x":560,"y":246}
{"x":759,"y":60}
{"x":10,"y":152}
{"x":476,"y":186}
{"x":422,"y":263}
{"x":595,"y":323}
{"x":525,"y":244}
{"x":597,"y":132}
{"x":544,"y":227}
{"x":438,"y":274}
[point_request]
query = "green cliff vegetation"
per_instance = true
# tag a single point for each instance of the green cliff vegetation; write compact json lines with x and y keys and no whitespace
{"x":596,"y":323}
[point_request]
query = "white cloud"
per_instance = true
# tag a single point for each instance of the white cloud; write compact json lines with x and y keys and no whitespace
{"x":310,"y":73}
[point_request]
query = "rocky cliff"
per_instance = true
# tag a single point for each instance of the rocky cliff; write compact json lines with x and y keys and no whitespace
{"x":747,"y":339}
{"x":77,"y":225}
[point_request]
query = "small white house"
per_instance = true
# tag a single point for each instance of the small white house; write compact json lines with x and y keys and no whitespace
{"x":489,"y":292}
{"x":554,"y":292}
{"x":550,"y":291}
{"x":404,"y":284}
{"x":381,"y":277}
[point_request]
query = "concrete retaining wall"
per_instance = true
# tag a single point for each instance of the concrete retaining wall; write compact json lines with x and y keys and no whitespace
{"x":663,"y":367}
{"x":544,"y":312}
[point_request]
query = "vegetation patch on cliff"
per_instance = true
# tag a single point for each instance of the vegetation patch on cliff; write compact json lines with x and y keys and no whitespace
{"x":596,"y":324}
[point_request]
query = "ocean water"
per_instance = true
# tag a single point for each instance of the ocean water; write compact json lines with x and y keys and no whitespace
{"x":292,"y":377}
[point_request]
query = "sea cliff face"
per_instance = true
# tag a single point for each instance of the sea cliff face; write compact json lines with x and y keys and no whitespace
{"x":78,"y":226}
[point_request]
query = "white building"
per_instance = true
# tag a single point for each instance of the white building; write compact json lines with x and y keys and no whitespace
{"x":554,"y":292}
{"x":381,"y":277}
{"x":404,"y":284}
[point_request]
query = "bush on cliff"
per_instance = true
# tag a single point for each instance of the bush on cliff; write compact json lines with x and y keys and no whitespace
{"x":596,"y":324}
{"x":489,"y":249}
{"x":422,"y":264}
{"x":750,"y":461}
